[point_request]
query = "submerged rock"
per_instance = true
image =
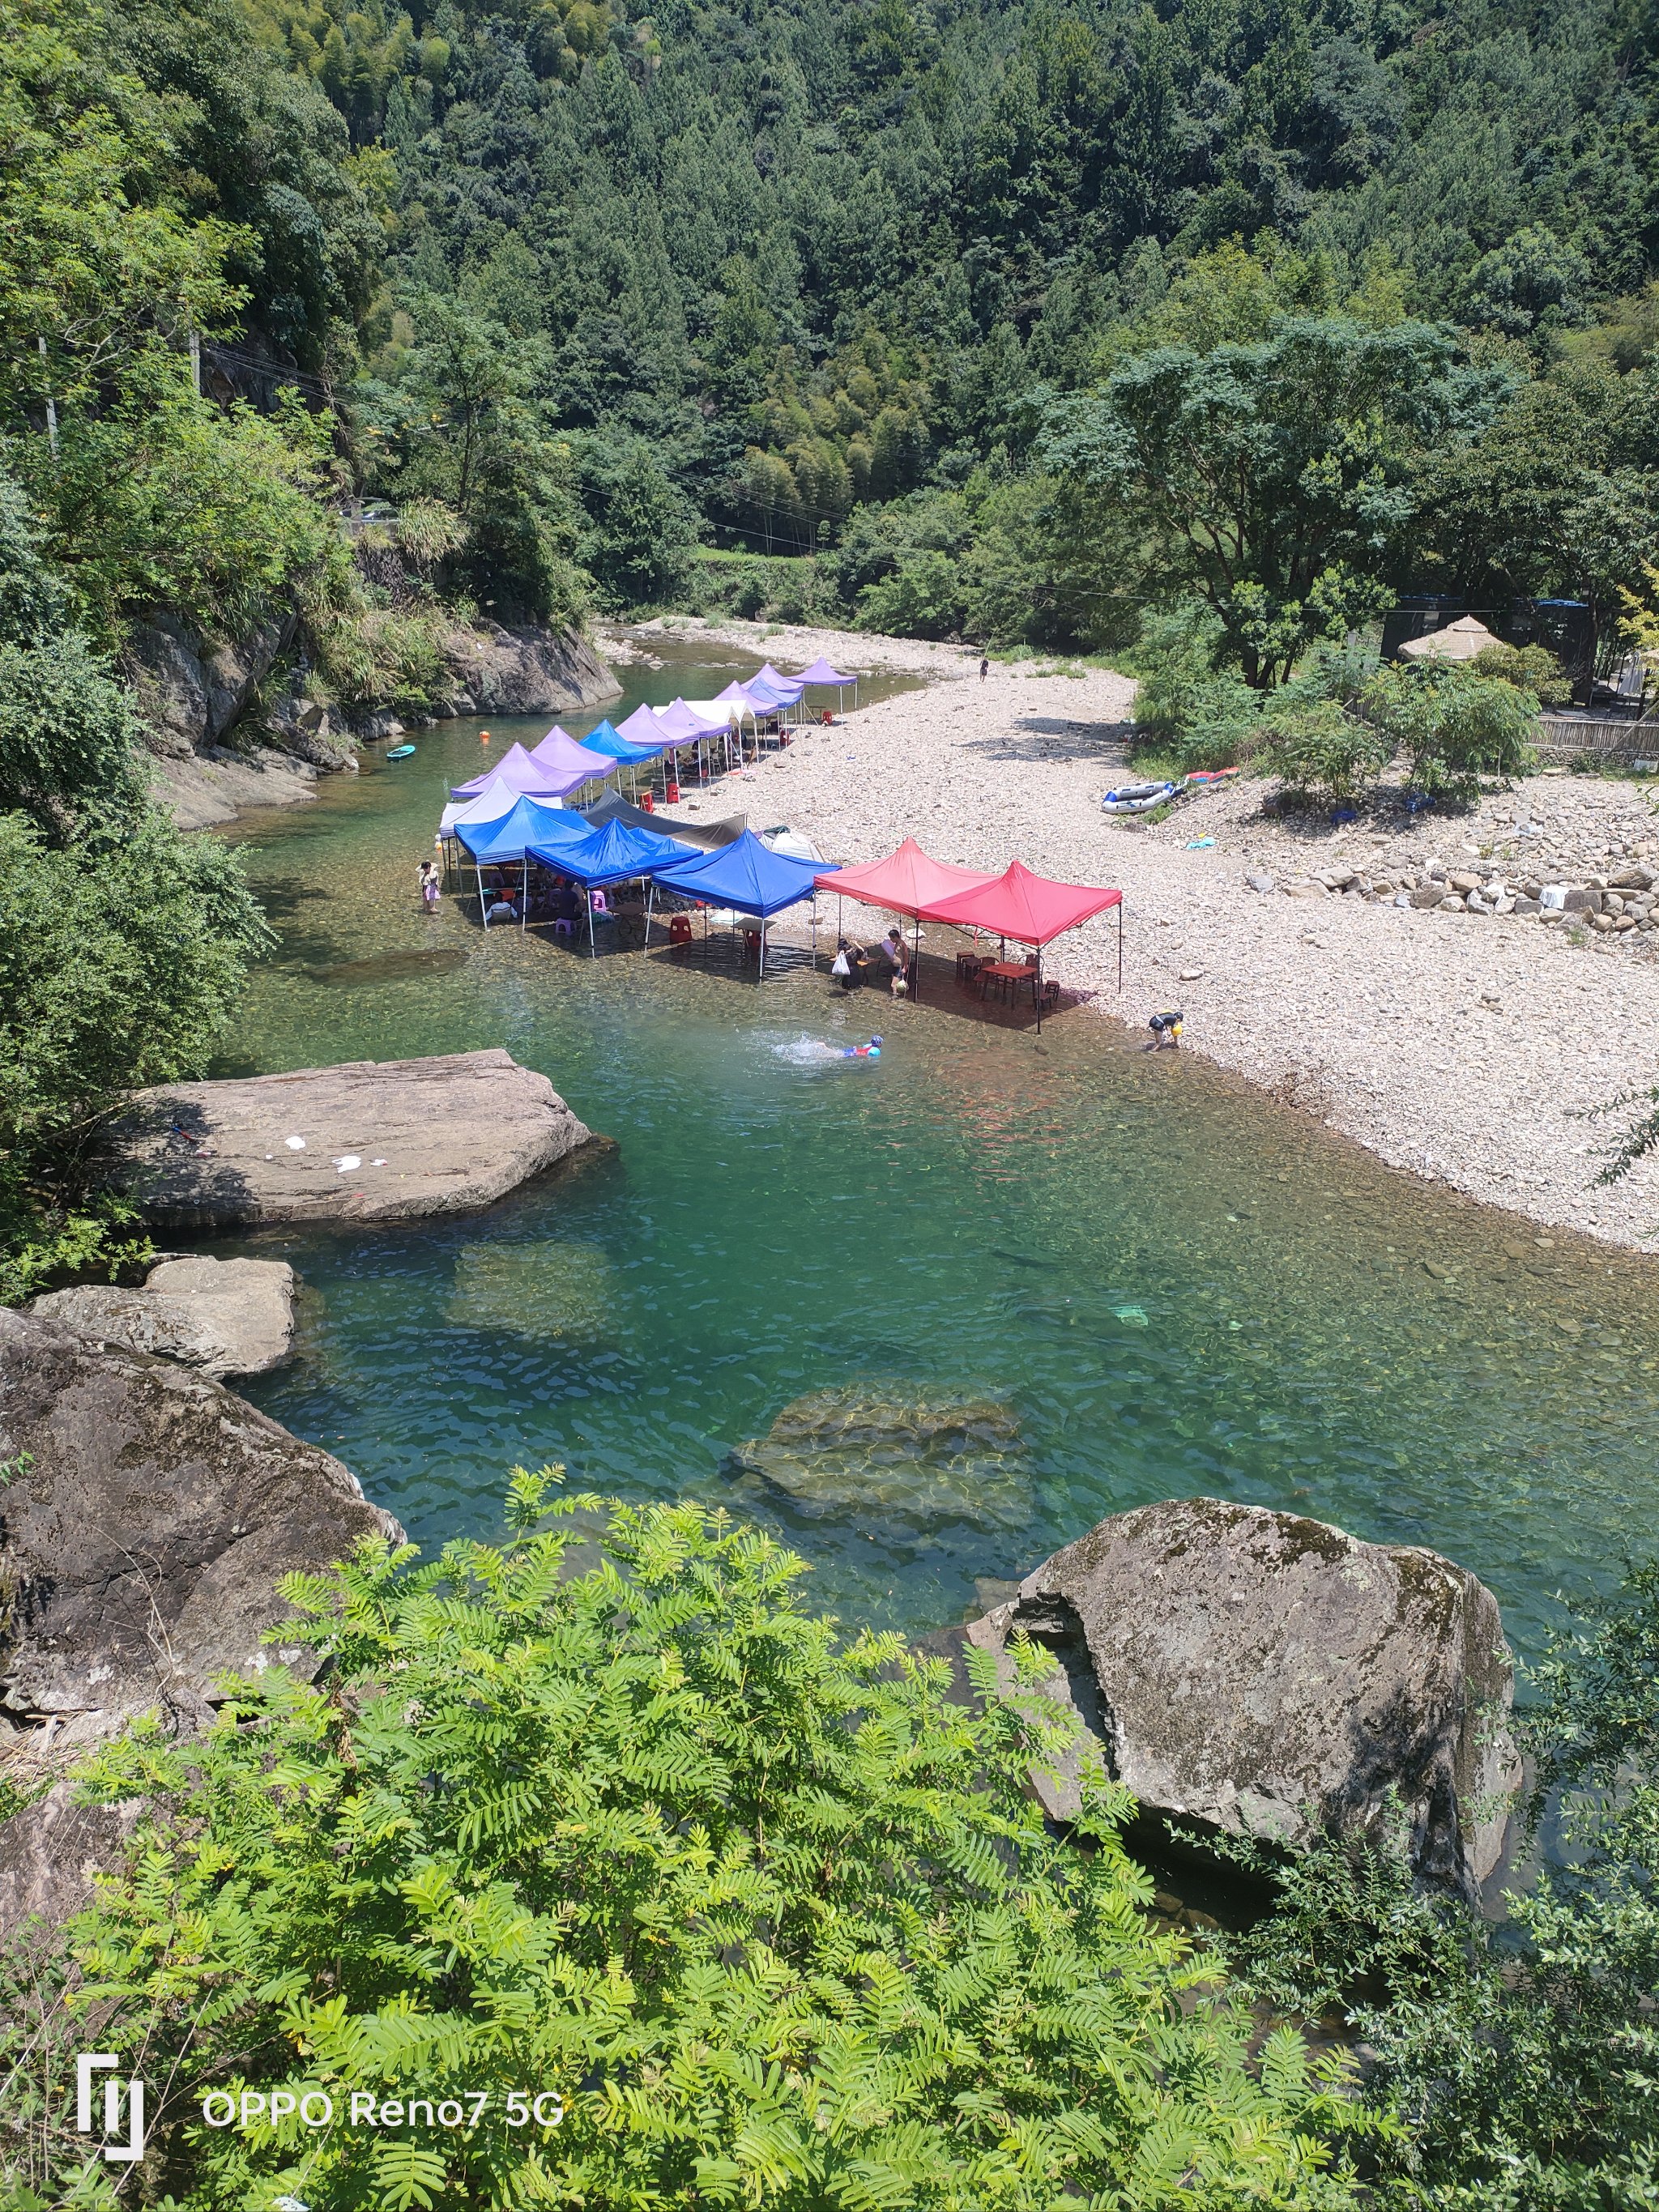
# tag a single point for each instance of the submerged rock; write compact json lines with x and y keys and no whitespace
{"x":150,"y":1516}
{"x":922,"y":1461}
{"x":562,"y":1291}
{"x":225,"y":1316}
{"x":1263,"y":1674}
{"x":372,"y":1141}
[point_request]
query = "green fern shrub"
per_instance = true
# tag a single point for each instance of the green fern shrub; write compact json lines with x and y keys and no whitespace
{"x":768,"y":1918}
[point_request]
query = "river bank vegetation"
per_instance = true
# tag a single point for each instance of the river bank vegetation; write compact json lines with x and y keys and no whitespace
{"x":765,"y":1914}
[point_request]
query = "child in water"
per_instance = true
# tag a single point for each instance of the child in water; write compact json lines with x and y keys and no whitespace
{"x":871,"y":1051}
{"x":1166,"y":1030}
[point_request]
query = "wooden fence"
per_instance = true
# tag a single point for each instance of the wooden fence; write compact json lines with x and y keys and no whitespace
{"x":1603,"y":738}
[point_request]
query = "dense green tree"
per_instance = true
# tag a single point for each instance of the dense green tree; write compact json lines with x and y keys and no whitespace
{"x":1270,"y":478}
{"x":644,"y":534}
{"x":122,"y":955}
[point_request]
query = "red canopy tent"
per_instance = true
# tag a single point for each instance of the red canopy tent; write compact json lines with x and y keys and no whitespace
{"x":906,"y":882}
{"x":1030,"y":908}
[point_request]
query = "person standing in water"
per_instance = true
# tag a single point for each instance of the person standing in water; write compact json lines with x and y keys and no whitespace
{"x":430,"y":887}
{"x":1166,"y":1030}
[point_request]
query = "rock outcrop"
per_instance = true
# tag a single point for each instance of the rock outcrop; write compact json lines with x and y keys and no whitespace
{"x":228,"y":735}
{"x":202,"y":790}
{"x":50,"y":1852}
{"x":191,"y":690}
{"x":371,"y":1141}
{"x":1259,"y":1673}
{"x":223,"y":1316}
{"x":524,"y":671}
{"x":150,"y":1516}
{"x":910,"y":1460}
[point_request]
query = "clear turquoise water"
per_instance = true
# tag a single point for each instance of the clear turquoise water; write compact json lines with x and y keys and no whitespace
{"x":1174,"y":1284}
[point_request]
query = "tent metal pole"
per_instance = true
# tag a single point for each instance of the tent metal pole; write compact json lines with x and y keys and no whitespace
{"x":592,"y":949}
{"x":1120,"y":947}
{"x":1037,"y":987}
{"x":761,"y":978}
{"x":524,"y":897}
{"x":915,"y":962}
{"x":483,"y":910}
{"x":815,"y":936}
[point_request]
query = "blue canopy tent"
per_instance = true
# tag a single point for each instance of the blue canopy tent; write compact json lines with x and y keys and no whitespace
{"x":497,"y":844}
{"x":609,"y":741}
{"x":748,"y":877}
{"x":613,"y":853}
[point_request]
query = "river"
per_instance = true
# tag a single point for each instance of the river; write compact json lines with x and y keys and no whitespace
{"x":1166,"y":1282}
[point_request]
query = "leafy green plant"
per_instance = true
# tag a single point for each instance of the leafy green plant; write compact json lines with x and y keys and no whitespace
{"x":1454,"y":725}
{"x":1201,"y":714}
{"x":1531,"y":668}
{"x":121,"y":957}
{"x":1321,"y":749}
{"x":775,"y":1919}
{"x":1512,"y":2067}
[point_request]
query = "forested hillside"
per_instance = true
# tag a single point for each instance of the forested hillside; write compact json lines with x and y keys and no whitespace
{"x":877,"y":281}
{"x":812,"y":277}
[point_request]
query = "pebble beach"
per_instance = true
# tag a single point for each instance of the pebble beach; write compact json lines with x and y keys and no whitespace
{"x":1469,"y":1047}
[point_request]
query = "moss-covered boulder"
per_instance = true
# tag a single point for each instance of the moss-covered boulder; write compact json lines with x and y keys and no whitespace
{"x":1261,"y":1674}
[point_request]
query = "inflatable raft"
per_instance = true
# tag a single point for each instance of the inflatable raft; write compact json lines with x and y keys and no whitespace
{"x":1137,"y":797}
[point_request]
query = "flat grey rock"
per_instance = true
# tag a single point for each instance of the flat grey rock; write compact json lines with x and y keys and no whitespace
{"x":223,"y":1316}
{"x":1259,"y":1674}
{"x":144,"y":1536}
{"x":371,"y":1141}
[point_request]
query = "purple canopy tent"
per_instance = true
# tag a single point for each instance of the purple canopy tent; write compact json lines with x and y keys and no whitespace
{"x":569,"y":765}
{"x":831,"y":678}
{"x":642,"y":728}
{"x":524,"y":774}
{"x":560,"y":754}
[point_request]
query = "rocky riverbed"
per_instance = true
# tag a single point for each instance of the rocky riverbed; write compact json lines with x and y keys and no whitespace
{"x":1466,"y":1043}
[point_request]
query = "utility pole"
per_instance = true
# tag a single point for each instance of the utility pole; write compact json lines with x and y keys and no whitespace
{"x":52,"y":409}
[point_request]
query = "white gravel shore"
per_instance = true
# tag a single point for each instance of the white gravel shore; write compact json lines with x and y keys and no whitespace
{"x":1459,"y":1047}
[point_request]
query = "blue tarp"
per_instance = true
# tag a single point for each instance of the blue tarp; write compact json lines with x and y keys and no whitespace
{"x":613,"y":854}
{"x":744,"y":874}
{"x":528,"y":824}
{"x":607,"y":740}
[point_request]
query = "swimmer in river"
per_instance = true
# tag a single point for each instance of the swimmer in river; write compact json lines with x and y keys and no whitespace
{"x":871,"y":1051}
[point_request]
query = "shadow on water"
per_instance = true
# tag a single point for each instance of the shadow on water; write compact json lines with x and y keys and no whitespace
{"x":1163,"y":1281}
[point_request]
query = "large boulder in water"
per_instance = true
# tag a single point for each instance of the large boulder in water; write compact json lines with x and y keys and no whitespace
{"x":149,"y":1516}
{"x":370,"y":1140}
{"x":912,"y":1459}
{"x":1262,"y":1674}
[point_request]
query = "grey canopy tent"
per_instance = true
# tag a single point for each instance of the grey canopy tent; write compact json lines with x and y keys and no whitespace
{"x":709,"y":835}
